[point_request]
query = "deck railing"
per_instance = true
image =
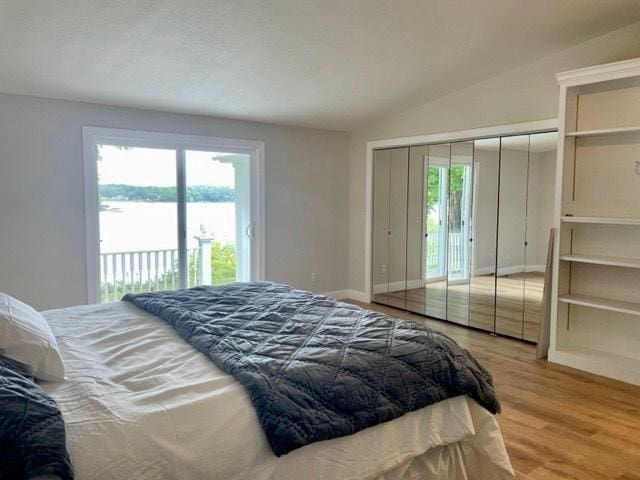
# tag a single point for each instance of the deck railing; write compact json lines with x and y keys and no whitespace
{"x":456,"y":254}
{"x":142,"y":271}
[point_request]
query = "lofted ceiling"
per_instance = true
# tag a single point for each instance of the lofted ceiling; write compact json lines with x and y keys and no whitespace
{"x":333,"y":64}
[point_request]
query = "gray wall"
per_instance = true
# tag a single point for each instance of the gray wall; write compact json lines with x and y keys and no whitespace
{"x":42,"y":230}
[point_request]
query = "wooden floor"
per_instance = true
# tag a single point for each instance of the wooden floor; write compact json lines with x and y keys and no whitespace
{"x":514,"y":300}
{"x":557,"y":422}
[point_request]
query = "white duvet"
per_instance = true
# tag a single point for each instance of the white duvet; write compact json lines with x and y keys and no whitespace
{"x":140,"y":403}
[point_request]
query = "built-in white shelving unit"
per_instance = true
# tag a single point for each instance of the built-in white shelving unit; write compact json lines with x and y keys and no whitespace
{"x":596,"y":275}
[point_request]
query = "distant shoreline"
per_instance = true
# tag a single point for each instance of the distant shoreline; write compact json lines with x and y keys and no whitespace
{"x":136,"y":193}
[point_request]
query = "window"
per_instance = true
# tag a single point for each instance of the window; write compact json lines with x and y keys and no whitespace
{"x":170,"y":211}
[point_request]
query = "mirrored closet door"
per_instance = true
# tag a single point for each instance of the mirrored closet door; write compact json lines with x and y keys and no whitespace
{"x":512,"y":220}
{"x":390,"y":206}
{"x":460,"y":230}
{"x":482,"y":288}
{"x":435,"y":239}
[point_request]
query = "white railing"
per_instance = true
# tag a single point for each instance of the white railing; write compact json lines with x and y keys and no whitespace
{"x":456,"y":254}
{"x":141,"y":271}
{"x":433,"y":251}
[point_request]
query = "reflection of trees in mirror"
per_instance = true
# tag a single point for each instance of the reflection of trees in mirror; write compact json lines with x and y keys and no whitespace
{"x":456,"y":180}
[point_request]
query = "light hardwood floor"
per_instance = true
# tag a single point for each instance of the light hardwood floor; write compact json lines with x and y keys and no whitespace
{"x":557,"y":422}
{"x":517,"y":305}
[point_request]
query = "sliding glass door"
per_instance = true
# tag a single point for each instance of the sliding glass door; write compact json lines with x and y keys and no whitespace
{"x":138,"y":207}
{"x":171,"y":218}
{"x":217,"y":217}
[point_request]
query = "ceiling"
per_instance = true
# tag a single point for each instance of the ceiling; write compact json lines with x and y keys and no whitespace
{"x":333,"y":64}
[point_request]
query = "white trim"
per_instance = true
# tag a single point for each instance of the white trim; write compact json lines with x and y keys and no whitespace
{"x":337,"y":294}
{"x":91,"y":136}
{"x":461,"y":135}
{"x":599,"y":73}
{"x":358,"y":295}
{"x":471,"y":134}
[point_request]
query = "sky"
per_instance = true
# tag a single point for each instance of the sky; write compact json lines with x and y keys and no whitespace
{"x":157,"y":167}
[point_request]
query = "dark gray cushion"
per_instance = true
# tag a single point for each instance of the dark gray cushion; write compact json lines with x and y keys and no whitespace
{"x":32,"y":433}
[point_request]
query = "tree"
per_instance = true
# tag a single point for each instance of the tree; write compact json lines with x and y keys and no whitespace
{"x":136,"y":193}
{"x":456,"y":183}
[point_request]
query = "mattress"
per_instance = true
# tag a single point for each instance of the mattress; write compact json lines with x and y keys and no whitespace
{"x":139,"y":402}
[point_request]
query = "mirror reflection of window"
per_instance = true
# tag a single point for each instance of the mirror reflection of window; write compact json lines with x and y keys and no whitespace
{"x":461,"y":230}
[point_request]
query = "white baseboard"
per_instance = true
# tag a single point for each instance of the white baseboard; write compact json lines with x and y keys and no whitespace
{"x":358,"y":295}
{"x":338,"y":294}
{"x":348,"y":293}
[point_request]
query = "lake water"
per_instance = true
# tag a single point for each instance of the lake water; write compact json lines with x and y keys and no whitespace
{"x":135,"y":226}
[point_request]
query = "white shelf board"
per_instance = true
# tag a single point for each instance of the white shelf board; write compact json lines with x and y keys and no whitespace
{"x":619,"y":367}
{"x":602,"y":260}
{"x":601,"y":303}
{"x":601,"y":220}
{"x":604,"y":131}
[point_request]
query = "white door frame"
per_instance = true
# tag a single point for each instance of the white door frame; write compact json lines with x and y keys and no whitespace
{"x":93,"y":136}
{"x":537,"y":126}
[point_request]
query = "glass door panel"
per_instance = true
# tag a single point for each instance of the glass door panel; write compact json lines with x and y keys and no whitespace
{"x":482,"y":299}
{"x":416,"y":230}
{"x":512,"y":209}
{"x":459,"y":211}
{"x":380,"y":230}
{"x":541,"y":187}
{"x":435,"y":258}
{"x":217,"y":218}
{"x":398,"y":189}
{"x":138,"y":220}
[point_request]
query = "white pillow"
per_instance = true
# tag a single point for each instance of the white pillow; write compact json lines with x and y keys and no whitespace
{"x":25,"y":337}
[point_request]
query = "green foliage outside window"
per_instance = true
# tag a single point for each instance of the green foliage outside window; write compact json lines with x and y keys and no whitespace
{"x":223,"y":271}
{"x":136,"y":193}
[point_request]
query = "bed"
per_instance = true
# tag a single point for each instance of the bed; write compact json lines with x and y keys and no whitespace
{"x":139,"y":402}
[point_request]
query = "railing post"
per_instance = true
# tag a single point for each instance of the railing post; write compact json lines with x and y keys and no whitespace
{"x":204,"y":257}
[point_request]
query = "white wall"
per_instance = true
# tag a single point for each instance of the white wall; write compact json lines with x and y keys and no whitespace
{"x":42,"y":231}
{"x":523,"y":94}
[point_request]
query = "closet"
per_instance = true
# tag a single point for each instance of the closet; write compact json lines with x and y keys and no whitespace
{"x":460,"y":230}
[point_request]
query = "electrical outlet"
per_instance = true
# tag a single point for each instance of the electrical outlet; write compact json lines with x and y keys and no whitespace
{"x":383,"y":268}
{"x":314,"y":277}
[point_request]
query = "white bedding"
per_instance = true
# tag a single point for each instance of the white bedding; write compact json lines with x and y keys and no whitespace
{"x":139,"y":402}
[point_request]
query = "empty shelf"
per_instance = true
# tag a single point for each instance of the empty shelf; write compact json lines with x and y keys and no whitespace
{"x":604,"y":220}
{"x":602,"y":303}
{"x":603,"y":131}
{"x":602,"y":260}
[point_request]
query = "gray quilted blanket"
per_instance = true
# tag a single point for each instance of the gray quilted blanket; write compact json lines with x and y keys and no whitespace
{"x":32,"y":435}
{"x":316,"y":368}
